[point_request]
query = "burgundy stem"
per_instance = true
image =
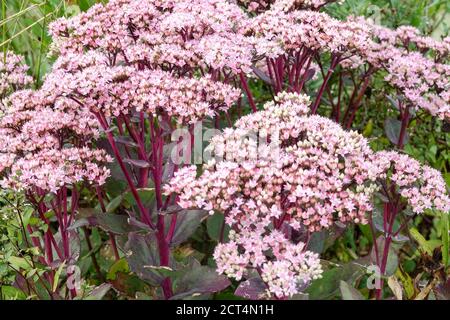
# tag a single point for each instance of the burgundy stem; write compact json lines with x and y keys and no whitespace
{"x":248,"y":92}
{"x":334,"y":62}
{"x":163,"y":244}
{"x":404,"y":126}
{"x":109,"y":135}
{"x":354,"y":106}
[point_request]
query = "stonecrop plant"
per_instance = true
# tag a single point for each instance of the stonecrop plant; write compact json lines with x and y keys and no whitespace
{"x":182,"y":149}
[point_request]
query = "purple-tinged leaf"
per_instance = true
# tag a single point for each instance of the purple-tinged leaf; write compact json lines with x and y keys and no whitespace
{"x":117,"y":224}
{"x":140,"y":225}
{"x":446,"y":126}
{"x":141,"y":251}
{"x":442,"y":291}
{"x":165,"y":126}
{"x":260,"y":74}
{"x":171,"y":210}
{"x":393,"y":102}
{"x":392,"y":259}
{"x":309,"y":74}
{"x":99,"y":292}
{"x":114,"y":223}
{"x":169,"y":169}
{"x":187,"y":222}
{"x":392,"y":127}
{"x":75,"y":247}
{"x":126,"y":141}
{"x":142,"y":164}
{"x":110,"y":129}
{"x":252,"y":289}
{"x":317,"y":241}
{"x":198,"y":281}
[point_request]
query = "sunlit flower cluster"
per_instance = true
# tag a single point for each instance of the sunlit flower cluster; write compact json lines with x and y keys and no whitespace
{"x":317,"y":31}
{"x":169,"y":35}
{"x":122,"y":90}
{"x":173,"y":58}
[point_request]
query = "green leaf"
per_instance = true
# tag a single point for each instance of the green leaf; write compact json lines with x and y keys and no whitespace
{"x":72,"y":10}
{"x":328,"y":286}
{"x":407,"y":282}
{"x":128,"y":284}
{"x":120,"y":265}
{"x":368,"y":129}
{"x":85,"y":4}
{"x":349,"y":293}
{"x":99,"y":292}
{"x":11,"y":293}
{"x":146,"y":195}
{"x":424,"y":245}
{"x":20,"y":263}
{"x":57,"y":275}
{"x":114,"y":204}
{"x":214,"y":226}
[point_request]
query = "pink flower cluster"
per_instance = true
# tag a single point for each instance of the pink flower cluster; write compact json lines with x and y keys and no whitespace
{"x":289,"y":270}
{"x":13,"y":74}
{"x":291,"y":31}
{"x":309,"y":169}
{"x":51,"y":169}
{"x":421,"y":76}
{"x":173,"y":58}
{"x":409,"y":38}
{"x":45,"y":142}
{"x":416,"y":65}
{"x":122,"y":90}
{"x":286,"y":5}
{"x":311,"y":173}
{"x":169,"y":34}
{"x":218,"y":38}
{"x":423,"y":82}
{"x":422,"y":186}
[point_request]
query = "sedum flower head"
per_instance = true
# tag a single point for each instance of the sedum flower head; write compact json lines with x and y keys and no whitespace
{"x":305,"y":166}
{"x":13,"y":74}
{"x":420,"y":185}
